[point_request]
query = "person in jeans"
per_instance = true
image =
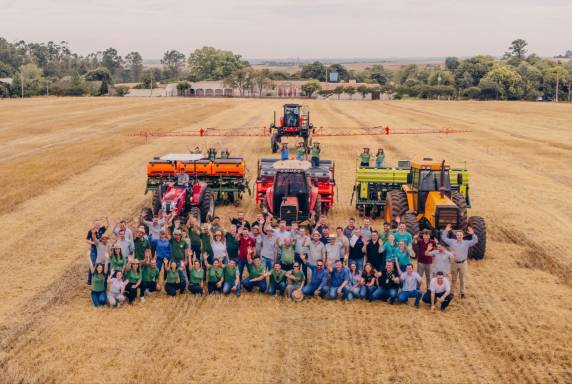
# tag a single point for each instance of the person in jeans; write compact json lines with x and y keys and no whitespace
{"x":245,"y":244}
{"x":388,"y":281}
{"x":333,"y":248}
{"x":424,"y":259}
{"x":318,"y":280}
{"x":116,"y":294}
{"x":215,"y":277}
{"x":162,"y":249}
{"x":344,"y":245}
{"x":439,"y":292}
{"x":339,"y":280}
{"x":373,"y":249}
{"x":302,"y":249}
{"x":369,"y":281}
{"x":95,"y":233}
{"x":355,"y":281}
{"x":98,"y":272}
{"x":133,"y":280}
{"x":460,"y":249}
{"x":317,"y":252}
{"x":256,"y":275}
{"x":441,"y":261}
{"x":296,"y":280}
{"x":269,"y":249}
{"x":277,"y":280}
{"x":287,"y":254}
{"x":231,"y":278}
{"x":410,"y":284}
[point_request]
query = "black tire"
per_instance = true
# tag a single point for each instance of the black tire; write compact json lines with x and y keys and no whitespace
{"x":318,"y":208}
{"x":156,"y":201}
{"x":478,"y":250}
{"x":207,"y":206}
{"x":395,"y":205}
{"x":274,"y":141}
{"x":147,"y":214}
{"x":460,"y":202}
{"x":196,"y":213}
{"x":411,"y":223}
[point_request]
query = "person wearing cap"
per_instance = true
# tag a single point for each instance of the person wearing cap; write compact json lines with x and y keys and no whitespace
{"x":256,"y":274}
{"x":355,"y":281}
{"x":98,"y":272}
{"x":173,"y":281}
{"x":333,"y":248}
{"x":300,"y":152}
{"x":459,"y":247}
{"x":218,"y":245}
{"x":318,"y":279}
{"x":339,"y":280}
{"x":287,"y":254}
{"x":317,"y":251}
{"x":117,"y":260}
{"x":231,"y":278}
{"x":133,"y":280}
{"x":315,"y":155}
{"x":403,"y":254}
{"x":196,"y":279}
{"x":277,"y":280}
{"x":95,"y":233}
{"x":364,"y":158}
{"x":442,"y":260}
{"x":424,"y":260}
{"x":439,"y":292}
{"x":141,"y":244}
{"x":410,"y":284}
{"x":388,"y":281}
{"x":103,"y":250}
{"x":162,"y":248}
{"x":149,"y":276}
{"x":296,"y":280}
{"x":179,"y":247}
{"x":116,"y":293}
{"x":215,"y":277}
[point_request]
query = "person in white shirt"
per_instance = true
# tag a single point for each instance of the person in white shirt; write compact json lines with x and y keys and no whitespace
{"x":439,"y":291}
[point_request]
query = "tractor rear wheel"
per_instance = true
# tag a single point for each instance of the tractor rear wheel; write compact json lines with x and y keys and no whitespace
{"x":395,"y":205}
{"x":478,"y":224}
{"x":460,"y":202}
{"x":207,"y":206}
{"x":411,"y":223}
{"x":196,"y":213}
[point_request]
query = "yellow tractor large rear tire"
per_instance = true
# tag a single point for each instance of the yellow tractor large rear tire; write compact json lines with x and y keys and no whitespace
{"x":460,"y":202}
{"x":411,"y":223}
{"x":478,"y":224}
{"x":395,"y":205}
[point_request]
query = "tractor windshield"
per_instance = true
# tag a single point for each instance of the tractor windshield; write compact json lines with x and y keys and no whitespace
{"x":290,"y":185}
{"x":291,"y":115}
{"x":431,"y":180}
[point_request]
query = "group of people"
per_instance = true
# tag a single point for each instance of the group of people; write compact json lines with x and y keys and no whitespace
{"x":302,"y":153}
{"x":365,"y":158}
{"x":281,"y":259}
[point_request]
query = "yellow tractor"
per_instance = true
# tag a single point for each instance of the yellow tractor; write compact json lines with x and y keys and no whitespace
{"x":428,"y":201}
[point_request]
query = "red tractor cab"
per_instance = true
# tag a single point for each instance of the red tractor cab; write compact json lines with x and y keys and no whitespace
{"x":295,"y":191}
{"x":295,"y":122}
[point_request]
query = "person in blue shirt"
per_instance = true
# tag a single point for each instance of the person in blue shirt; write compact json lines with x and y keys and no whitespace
{"x":318,"y":280}
{"x":402,"y":234}
{"x":339,"y":279}
{"x":162,"y":249}
{"x":284,"y":154}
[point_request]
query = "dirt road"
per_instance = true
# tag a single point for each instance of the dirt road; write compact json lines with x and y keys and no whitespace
{"x":68,"y":161}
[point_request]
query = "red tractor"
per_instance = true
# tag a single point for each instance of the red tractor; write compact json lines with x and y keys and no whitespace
{"x":295,"y":191}
{"x":294,"y":123}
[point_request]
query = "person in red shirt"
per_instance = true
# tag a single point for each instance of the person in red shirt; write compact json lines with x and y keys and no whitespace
{"x":245,"y":242}
{"x":424,"y":261}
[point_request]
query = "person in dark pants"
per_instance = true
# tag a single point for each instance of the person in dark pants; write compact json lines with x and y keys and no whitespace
{"x":388,"y":284}
{"x":315,"y":155}
{"x":149,"y":277}
{"x":134,"y":280}
{"x":277,"y":280}
{"x":373,"y":250}
{"x":439,"y":292}
{"x":215,"y":277}
{"x":173,"y":282}
{"x":256,"y":275}
{"x":196,"y":280}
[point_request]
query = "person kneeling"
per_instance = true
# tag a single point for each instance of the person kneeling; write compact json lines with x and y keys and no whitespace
{"x":318,"y":280}
{"x":277,"y":280}
{"x":196,"y":281}
{"x":149,"y":278}
{"x":388,"y":284}
{"x":439,"y":291}
{"x":215,"y":277}
{"x":134,"y":281}
{"x":339,"y":280}
{"x":231,"y":279}
{"x":256,"y":275}
{"x":296,"y":280}
{"x":411,"y":282}
{"x":173,"y":281}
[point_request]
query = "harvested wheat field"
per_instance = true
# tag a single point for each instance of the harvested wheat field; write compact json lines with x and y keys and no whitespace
{"x":68,"y":161}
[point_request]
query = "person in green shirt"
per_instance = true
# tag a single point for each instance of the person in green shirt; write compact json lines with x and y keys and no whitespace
{"x":117,"y":260}
{"x":215,"y":277}
{"x":231,"y":279}
{"x":98,"y":272}
{"x":402,"y":234}
{"x":206,"y":244}
{"x":403,"y":254}
{"x":179,"y":248}
{"x":256,"y":275}
{"x":300,"y":152}
{"x":173,"y":282}
{"x":364,"y":158}
{"x":232,"y":242}
{"x":277,"y":280}
{"x":150,"y":277}
{"x":133,"y":280}
{"x":196,"y":279}
{"x":224,"y":154}
{"x":379,"y":157}
{"x":296,"y":280}
{"x":315,"y":155}
{"x":287,"y":254}
{"x":141,"y":244}
{"x":194,"y":236}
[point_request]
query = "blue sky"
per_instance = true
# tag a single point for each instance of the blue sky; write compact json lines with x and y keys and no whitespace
{"x":294,"y":28}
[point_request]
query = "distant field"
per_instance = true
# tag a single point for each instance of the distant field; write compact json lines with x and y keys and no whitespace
{"x":355,"y":66}
{"x":67,"y":161}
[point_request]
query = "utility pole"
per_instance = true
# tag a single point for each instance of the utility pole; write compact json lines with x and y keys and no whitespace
{"x":151,"y":92}
{"x":47,"y":88}
{"x":557,"y":84}
{"x":22,"y":84}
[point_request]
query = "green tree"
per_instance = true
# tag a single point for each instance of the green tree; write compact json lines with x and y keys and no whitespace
{"x":379,"y":74}
{"x":150,"y":77}
{"x":441,"y":77}
{"x":31,"y":76}
{"x":517,"y":49}
{"x":311,"y":87}
{"x":121,"y":91}
{"x":6,"y":70}
{"x":325,"y":92}
{"x":350,"y":91}
{"x":452,"y":63}
{"x":261,"y":79}
{"x":363,"y":90}
{"x":208,"y":63}
{"x":316,"y":70}
{"x":241,"y":79}
{"x":175,"y":62}
{"x":532,"y":78}
{"x":77,"y":86}
{"x":135,"y":65}
{"x":111,"y":60}
{"x":407,"y":72}
{"x":100,"y":74}
{"x":472,"y":92}
{"x":338,"y":91}
{"x":507,"y":79}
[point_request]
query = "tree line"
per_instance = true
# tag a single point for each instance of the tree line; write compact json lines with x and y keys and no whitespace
{"x":52,"y":68}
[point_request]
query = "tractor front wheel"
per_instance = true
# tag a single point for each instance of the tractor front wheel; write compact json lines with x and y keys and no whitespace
{"x":207,"y":206}
{"x":461,"y":203}
{"x":196,"y":213}
{"x":156,"y":201}
{"x":395,"y":205}
{"x":411,"y":223}
{"x":317,"y":209}
{"x":478,"y":224}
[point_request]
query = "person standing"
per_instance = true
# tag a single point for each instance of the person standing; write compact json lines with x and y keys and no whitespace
{"x":195,"y":237}
{"x":402,"y":234}
{"x":302,"y":249}
{"x":284,"y":153}
{"x":232,"y":240}
{"x":98,"y":272}
{"x":379,"y":157}
{"x":364,"y":158}
{"x":215,"y":277}
{"x":141,"y":244}
{"x":162,"y":249}
{"x":366,"y":229}
{"x":277,"y":280}
{"x":460,"y":249}
{"x":317,"y":251}
{"x":442,"y":260}
{"x":374,"y":252}
{"x":296,"y":280}
{"x":344,"y":245}
{"x":179,"y":248}
{"x":269,"y":249}
{"x":315,"y":155}
{"x":245,"y":243}
{"x":388,"y":281}
{"x":411,"y":282}
{"x":125,"y":244}
{"x":333,"y":248}
{"x":287,"y":254}
{"x":403,"y":254}
{"x":95,"y":233}
{"x":439,"y":292}
{"x":356,"y":254}
{"x":424,"y":260}
{"x":349,"y":229}
{"x":300,"y":152}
